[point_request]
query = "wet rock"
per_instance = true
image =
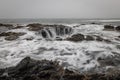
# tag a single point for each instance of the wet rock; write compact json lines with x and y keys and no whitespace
{"x":108,"y":27}
{"x":11,"y":35}
{"x":29,"y":69}
{"x":110,"y":60}
{"x":29,"y":38}
{"x":76,"y":37}
{"x":98,"y":38}
{"x":58,"y":39}
{"x":107,"y":40}
{"x":35,"y":27}
{"x":118,"y":46}
{"x":117,"y":28}
{"x":9,"y":26}
{"x":17,"y":27}
{"x":89,"y":38}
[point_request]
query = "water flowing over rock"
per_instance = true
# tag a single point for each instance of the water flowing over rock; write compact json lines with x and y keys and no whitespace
{"x":29,"y":69}
{"x":89,"y":38}
{"x":55,"y":31}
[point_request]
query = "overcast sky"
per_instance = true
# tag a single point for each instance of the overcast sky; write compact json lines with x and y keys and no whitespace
{"x":59,"y":8}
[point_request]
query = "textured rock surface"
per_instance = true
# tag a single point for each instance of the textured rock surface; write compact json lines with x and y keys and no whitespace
{"x":29,"y":69}
{"x":108,"y":27}
{"x":76,"y":37}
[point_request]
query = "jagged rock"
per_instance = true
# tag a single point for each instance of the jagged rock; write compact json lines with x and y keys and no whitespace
{"x":35,"y":27}
{"x":76,"y":37}
{"x":117,"y":28}
{"x":89,"y":38}
{"x":17,"y":27}
{"x":11,"y":35}
{"x":9,"y":26}
{"x":110,"y":60}
{"x":29,"y":69}
{"x":108,"y":27}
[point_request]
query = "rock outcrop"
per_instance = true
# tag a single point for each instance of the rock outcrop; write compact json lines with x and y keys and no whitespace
{"x":11,"y":35}
{"x":108,"y":27}
{"x":117,"y":28}
{"x":29,"y":69}
{"x":76,"y":37}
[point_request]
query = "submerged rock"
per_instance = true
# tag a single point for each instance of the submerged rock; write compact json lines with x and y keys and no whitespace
{"x":11,"y":37}
{"x":98,"y":38}
{"x":89,"y":38}
{"x":17,"y":27}
{"x":76,"y":37}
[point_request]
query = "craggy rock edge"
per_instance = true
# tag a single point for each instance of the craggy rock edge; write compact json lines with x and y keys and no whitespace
{"x":29,"y":69}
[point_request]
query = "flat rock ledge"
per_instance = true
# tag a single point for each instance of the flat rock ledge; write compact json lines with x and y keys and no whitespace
{"x":29,"y":69}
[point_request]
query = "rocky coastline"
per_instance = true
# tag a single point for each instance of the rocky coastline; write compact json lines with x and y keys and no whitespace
{"x":30,"y":69}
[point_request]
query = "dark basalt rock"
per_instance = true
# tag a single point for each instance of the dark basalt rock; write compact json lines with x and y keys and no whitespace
{"x":9,"y":26}
{"x":35,"y":27}
{"x":117,"y":28}
{"x":29,"y":69}
{"x":89,"y":38}
{"x":59,"y":39}
{"x":29,"y":38}
{"x":11,"y":35}
{"x":76,"y":37}
{"x":17,"y":27}
{"x":108,"y":27}
{"x":107,"y":40}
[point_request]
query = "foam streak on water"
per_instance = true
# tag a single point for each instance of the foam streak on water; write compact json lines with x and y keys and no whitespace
{"x":74,"y":55}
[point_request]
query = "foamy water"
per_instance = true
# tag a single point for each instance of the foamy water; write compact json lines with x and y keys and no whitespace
{"x":73,"y":55}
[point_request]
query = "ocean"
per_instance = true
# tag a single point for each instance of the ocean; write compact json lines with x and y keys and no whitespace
{"x":62,"y":21}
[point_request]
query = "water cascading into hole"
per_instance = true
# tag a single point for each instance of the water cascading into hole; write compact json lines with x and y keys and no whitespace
{"x":55,"y":32}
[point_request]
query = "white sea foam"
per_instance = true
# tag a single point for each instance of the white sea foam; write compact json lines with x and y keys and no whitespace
{"x":75,"y":55}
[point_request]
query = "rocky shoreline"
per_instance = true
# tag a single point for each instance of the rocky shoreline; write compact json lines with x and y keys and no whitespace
{"x":30,"y":69}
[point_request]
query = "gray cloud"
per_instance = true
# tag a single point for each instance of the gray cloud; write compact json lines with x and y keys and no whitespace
{"x":59,"y":8}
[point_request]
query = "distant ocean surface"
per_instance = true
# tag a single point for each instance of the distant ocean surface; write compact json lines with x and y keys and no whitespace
{"x":61,"y":21}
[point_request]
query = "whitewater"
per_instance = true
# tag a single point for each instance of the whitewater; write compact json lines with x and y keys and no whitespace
{"x":78,"y":56}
